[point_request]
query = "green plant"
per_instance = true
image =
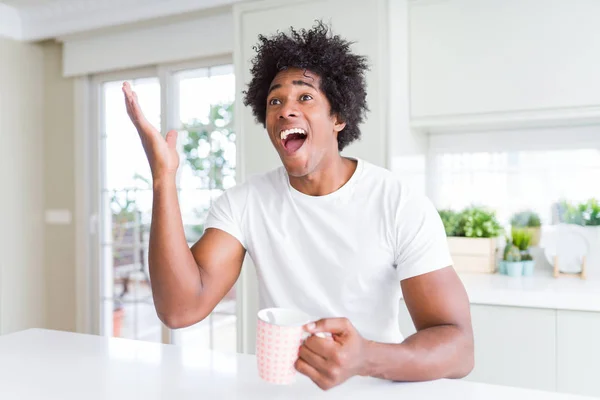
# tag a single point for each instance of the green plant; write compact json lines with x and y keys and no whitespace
{"x":584,"y":214}
{"x":209,"y":151}
{"x":477,"y":222}
{"x":526,"y":219}
{"x":472,"y":222}
{"x":521,"y":241}
{"x":521,"y":238}
{"x":450,"y":219}
{"x":592,"y":212}
{"x":526,"y":256}
{"x":206,"y":145}
{"x":512,"y":253}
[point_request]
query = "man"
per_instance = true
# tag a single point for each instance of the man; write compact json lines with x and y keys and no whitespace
{"x":336,"y":237}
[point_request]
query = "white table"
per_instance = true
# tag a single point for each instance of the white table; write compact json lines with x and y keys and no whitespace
{"x":51,"y":365}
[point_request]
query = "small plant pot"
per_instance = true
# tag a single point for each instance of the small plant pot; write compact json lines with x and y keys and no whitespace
{"x":502,"y":267}
{"x":514,"y":268}
{"x":528,"y":267}
{"x":118,"y":315}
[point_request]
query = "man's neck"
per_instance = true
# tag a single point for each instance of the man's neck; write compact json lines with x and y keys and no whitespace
{"x":327,"y":178}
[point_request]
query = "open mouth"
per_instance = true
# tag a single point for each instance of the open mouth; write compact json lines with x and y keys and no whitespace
{"x":293,"y":139}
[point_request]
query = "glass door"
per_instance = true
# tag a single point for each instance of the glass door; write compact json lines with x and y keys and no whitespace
{"x":199,"y":102}
{"x":205,"y":101}
{"x":126,"y":305}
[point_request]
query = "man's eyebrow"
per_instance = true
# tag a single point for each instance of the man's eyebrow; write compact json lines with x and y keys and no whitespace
{"x":299,"y":83}
{"x":277,"y":86}
{"x":303,"y":83}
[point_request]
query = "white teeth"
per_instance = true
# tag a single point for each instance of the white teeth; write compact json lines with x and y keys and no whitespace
{"x":287,"y":132}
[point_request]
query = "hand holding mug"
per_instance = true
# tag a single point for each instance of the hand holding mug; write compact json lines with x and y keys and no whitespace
{"x":331,"y":362}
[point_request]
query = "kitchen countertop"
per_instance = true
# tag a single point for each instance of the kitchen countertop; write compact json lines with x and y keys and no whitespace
{"x":52,"y":365}
{"x":539,"y":291}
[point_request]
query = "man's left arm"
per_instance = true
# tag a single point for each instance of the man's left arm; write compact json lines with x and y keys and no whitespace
{"x":441,"y":348}
{"x":443,"y":345}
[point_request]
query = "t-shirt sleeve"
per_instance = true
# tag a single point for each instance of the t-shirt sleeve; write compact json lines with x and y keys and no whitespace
{"x":422,"y":245}
{"x":225,"y":216}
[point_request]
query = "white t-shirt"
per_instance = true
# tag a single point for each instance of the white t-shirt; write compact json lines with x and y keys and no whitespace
{"x":339,"y":255}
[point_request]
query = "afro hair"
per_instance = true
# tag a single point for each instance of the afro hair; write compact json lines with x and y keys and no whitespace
{"x":316,"y":50}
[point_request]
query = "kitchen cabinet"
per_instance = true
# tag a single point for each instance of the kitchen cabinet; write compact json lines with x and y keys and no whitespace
{"x":578,"y":356}
{"x":464,"y":61}
{"x":514,"y":346}
{"x":536,"y":348}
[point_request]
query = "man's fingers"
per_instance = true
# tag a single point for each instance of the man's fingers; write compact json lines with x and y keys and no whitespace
{"x":315,"y":360}
{"x":336,"y":326}
{"x":306,"y":369}
{"x":322,"y":347}
{"x":135,"y":112}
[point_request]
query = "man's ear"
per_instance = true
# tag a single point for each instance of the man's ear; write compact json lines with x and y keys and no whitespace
{"x":338,"y":124}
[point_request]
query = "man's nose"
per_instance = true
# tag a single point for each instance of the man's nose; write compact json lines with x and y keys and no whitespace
{"x":288,"y":111}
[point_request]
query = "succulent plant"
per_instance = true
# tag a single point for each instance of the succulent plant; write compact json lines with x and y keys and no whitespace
{"x":521,"y":238}
{"x":526,"y":256}
{"x":512,"y":253}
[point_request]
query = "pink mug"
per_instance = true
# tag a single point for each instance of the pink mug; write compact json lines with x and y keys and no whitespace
{"x":278,"y":339}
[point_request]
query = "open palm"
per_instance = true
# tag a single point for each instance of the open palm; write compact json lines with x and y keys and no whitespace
{"x":161,"y":152}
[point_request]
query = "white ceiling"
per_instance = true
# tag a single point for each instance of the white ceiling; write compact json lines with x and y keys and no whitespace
{"x":32,"y":20}
{"x":27,"y":3}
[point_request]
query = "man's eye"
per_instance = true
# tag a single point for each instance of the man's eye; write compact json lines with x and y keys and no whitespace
{"x":306,"y":97}
{"x":274,"y":102}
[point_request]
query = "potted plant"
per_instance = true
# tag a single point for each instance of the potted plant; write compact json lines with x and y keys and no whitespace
{"x":579,"y":225}
{"x":529,"y":221}
{"x":512,"y":260}
{"x":472,"y":238}
{"x":521,"y":238}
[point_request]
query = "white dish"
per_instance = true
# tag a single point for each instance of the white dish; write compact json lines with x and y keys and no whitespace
{"x":568,"y":243}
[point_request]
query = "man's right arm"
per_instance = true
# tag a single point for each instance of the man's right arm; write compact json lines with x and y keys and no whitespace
{"x":187,"y":283}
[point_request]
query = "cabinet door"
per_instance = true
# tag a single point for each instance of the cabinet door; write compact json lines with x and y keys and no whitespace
{"x":514,"y":346}
{"x":578,"y":335}
{"x":459,"y":47}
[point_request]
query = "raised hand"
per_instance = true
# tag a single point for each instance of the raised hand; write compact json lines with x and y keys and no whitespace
{"x":161,"y":152}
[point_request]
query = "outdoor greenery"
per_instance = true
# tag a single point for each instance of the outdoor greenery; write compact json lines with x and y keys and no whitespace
{"x":473,"y":222}
{"x":205,"y":147}
{"x":124,"y":207}
{"x":205,"y":144}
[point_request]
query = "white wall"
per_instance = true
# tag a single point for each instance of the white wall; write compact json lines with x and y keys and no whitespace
{"x":209,"y":34}
{"x":59,"y":191}
{"x":481,"y":56}
{"x":407,"y":147}
{"x":22,"y":280}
